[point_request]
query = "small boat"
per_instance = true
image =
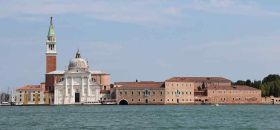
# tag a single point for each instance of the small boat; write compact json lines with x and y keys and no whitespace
{"x":5,"y":104}
{"x":217,"y":105}
{"x":109,"y":103}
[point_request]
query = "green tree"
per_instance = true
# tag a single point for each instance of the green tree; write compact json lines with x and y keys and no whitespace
{"x":271,"y":78}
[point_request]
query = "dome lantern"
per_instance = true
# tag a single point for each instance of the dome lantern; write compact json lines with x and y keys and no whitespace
{"x":78,"y":63}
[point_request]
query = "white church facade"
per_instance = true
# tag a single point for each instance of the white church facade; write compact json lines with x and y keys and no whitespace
{"x":77,"y":86}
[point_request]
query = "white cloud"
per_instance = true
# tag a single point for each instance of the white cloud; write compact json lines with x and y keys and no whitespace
{"x":144,"y":12}
{"x":231,"y":7}
{"x":257,"y":49}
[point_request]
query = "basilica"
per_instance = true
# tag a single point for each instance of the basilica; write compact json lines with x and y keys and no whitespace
{"x":75,"y":85}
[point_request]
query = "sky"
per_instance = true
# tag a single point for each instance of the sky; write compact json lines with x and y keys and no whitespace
{"x":148,"y":40}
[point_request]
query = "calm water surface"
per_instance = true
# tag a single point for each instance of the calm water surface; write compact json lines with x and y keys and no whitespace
{"x":188,"y":117}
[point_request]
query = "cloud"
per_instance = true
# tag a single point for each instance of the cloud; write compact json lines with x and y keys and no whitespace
{"x":258,"y":50}
{"x":143,"y":13}
{"x":231,"y":7}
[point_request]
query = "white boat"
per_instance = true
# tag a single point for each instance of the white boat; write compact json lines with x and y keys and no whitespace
{"x":5,"y":104}
{"x":109,"y":103}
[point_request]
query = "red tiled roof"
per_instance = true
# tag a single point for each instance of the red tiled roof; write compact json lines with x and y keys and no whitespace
{"x":142,"y":84}
{"x":235,"y":87}
{"x":198,"y":79}
{"x":30,"y":87}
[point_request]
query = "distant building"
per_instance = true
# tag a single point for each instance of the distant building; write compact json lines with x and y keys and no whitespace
{"x":233,"y":95}
{"x":140,"y":92}
{"x":150,"y":92}
{"x":271,"y":100}
{"x":186,"y":90}
{"x":76,"y":85}
{"x":202,"y":82}
{"x":30,"y":95}
{"x":4,"y":97}
{"x":179,"y":91}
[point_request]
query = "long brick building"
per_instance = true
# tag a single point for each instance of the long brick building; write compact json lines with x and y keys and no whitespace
{"x":186,"y":90}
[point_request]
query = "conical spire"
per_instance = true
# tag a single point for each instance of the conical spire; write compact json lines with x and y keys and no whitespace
{"x":51,"y":29}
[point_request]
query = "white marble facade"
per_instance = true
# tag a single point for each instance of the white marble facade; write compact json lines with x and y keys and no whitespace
{"x":77,"y":86}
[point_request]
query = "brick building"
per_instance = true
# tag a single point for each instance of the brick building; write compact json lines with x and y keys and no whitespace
{"x":233,"y":95}
{"x":186,"y":90}
{"x":140,"y":92}
{"x":179,"y":91}
{"x":30,"y":95}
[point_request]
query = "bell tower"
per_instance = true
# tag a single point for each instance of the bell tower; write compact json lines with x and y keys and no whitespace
{"x":51,"y":49}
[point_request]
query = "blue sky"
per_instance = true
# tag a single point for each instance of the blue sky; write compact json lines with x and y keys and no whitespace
{"x":144,"y":40}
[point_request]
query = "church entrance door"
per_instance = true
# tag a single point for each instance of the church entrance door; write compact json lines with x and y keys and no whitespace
{"x":77,"y":97}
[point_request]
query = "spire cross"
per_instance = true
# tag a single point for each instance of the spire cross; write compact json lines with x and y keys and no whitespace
{"x":51,"y":20}
{"x":78,"y":55}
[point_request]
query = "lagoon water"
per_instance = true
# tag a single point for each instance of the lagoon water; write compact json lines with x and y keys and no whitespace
{"x":115,"y":117}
